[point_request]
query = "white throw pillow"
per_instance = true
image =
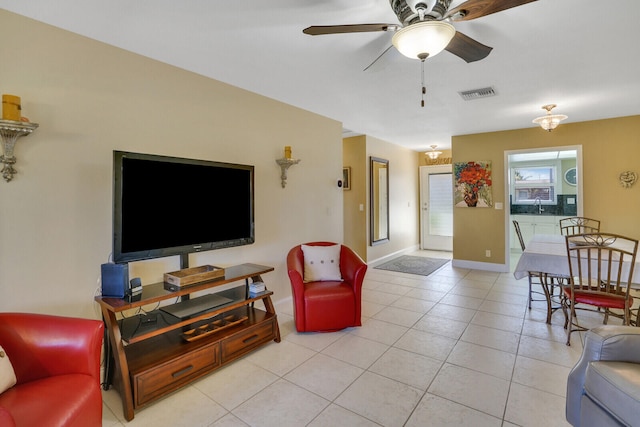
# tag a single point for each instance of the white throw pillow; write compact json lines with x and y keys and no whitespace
{"x":321,"y":263}
{"x":7,"y":374}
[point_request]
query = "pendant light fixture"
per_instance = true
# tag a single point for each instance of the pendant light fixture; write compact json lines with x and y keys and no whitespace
{"x":433,"y":154}
{"x":550,"y":121}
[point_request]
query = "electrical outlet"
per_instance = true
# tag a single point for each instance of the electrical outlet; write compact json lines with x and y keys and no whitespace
{"x":487,"y":253}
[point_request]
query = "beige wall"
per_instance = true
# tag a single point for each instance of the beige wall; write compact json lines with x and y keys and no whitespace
{"x":354,"y":155}
{"x":609,"y":147}
{"x":90,"y":99}
{"x":403,"y":198}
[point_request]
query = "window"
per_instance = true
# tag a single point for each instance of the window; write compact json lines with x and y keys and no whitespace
{"x":531,"y":183}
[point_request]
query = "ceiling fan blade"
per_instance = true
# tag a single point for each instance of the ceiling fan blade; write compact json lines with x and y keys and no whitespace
{"x":467,"y":48}
{"x":473,"y":9}
{"x":352,"y":28}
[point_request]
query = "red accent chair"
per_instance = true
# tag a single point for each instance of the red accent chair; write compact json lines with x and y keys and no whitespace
{"x":57,"y":365}
{"x":327,"y":306}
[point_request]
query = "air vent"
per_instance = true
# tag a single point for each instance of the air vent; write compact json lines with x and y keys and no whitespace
{"x":484,"y":92}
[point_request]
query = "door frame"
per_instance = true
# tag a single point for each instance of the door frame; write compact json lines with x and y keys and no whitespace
{"x":507,"y":189}
{"x":426,"y":170}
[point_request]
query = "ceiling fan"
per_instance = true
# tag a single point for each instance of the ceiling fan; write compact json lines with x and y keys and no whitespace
{"x":425,"y":28}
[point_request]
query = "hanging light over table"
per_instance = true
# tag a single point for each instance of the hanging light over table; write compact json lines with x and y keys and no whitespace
{"x":550,"y":121}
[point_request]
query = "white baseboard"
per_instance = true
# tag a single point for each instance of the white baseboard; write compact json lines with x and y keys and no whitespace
{"x":382,"y":260}
{"x":475,"y":265}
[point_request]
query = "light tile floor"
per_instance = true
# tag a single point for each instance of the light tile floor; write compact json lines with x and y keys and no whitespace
{"x":459,"y":347}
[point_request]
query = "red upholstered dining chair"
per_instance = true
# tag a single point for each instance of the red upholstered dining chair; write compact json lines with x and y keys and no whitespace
{"x":601,"y":272}
{"x":326,"y":284}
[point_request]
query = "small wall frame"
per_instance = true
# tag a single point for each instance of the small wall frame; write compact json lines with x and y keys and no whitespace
{"x":346,"y":178}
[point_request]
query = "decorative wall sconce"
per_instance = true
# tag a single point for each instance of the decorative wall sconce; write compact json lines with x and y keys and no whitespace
{"x":550,"y":121}
{"x":10,"y":131}
{"x":285,"y":163}
{"x":433,"y":154}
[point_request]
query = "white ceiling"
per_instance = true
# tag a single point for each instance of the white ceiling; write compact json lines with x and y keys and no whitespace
{"x":579,"y":54}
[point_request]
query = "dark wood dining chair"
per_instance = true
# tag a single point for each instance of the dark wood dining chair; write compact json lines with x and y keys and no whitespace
{"x":578,"y":225}
{"x":601,"y":272}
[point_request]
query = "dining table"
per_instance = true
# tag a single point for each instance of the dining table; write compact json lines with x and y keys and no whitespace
{"x":545,"y":256}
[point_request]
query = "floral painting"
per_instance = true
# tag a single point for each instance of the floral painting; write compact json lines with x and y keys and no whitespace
{"x":473,"y":184}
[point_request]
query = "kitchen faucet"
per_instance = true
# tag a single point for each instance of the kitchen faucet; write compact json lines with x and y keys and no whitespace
{"x":538,"y":202}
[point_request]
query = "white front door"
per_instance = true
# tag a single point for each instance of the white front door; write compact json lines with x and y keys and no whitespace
{"x":436,"y":208}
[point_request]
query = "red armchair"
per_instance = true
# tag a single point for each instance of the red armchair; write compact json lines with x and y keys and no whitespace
{"x":57,"y":365}
{"x":326,"y":305}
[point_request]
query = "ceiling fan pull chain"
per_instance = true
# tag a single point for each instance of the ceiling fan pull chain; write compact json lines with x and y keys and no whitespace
{"x":424,"y":89}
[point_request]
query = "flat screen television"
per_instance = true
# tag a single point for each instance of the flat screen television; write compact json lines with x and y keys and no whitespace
{"x":165,"y":206}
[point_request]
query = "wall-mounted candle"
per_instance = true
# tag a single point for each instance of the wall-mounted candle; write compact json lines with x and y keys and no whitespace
{"x":11,"y":108}
{"x":287,"y":152}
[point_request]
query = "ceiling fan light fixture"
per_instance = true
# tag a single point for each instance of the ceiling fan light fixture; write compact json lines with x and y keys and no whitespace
{"x":423,"y":39}
{"x":421,"y":5}
{"x":550,"y":121}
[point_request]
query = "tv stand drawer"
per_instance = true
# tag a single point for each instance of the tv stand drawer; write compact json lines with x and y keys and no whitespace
{"x":248,"y":339}
{"x":159,"y":380}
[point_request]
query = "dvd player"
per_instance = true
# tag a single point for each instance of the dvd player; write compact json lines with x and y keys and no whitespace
{"x":193,"y":306}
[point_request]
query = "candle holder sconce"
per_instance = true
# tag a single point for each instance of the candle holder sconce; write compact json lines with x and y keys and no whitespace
{"x":284,"y":165}
{"x":10,"y":131}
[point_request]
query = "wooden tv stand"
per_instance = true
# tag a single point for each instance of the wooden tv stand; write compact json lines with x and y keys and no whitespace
{"x":159,"y":353}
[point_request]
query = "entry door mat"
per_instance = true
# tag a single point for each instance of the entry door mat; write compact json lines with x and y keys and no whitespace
{"x":413,"y":265}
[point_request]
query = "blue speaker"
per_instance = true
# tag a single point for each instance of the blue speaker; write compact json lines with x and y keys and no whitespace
{"x":115,"y":280}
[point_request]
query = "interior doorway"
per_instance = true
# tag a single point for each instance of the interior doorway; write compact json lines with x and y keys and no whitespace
{"x":436,"y":208}
{"x":544,"y":185}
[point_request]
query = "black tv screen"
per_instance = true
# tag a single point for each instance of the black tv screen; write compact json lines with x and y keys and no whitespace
{"x":166,"y":206}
